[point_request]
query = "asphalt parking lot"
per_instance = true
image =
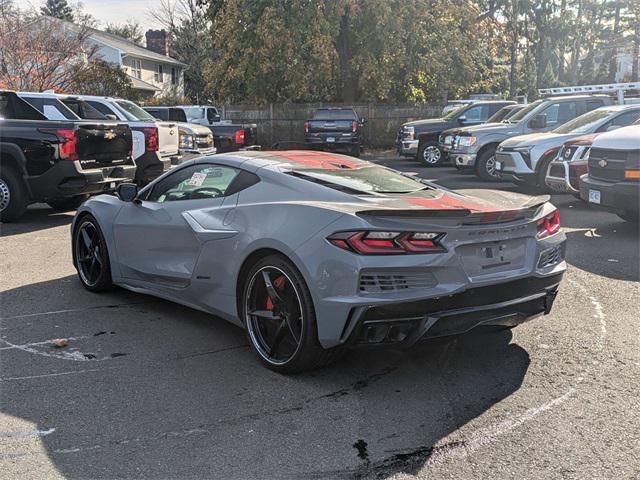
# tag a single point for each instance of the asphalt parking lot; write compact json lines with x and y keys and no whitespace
{"x":148,"y":389}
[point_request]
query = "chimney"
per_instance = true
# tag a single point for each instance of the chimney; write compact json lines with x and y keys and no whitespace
{"x":158,"y":41}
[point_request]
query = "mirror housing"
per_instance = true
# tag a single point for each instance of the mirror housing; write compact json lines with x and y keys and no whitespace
{"x":363,"y":121}
{"x":539,"y":121}
{"x":462,"y":119}
{"x":111,"y":116}
{"x":127,"y":192}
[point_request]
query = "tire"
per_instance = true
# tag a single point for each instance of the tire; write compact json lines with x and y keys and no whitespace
{"x":13,"y":195}
{"x":355,"y":151}
{"x":429,"y":154}
{"x":541,"y":174}
{"x":67,"y":203}
{"x":284,"y":346}
{"x":90,"y":252}
{"x":630,"y":217}
{"x":486,"y":165}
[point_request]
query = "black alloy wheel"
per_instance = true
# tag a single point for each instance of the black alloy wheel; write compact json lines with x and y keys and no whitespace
{"x":90,"y":255}
{"x":278,"y":313}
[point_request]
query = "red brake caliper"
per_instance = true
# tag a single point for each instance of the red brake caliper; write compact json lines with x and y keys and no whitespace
{"x":278,"y":283}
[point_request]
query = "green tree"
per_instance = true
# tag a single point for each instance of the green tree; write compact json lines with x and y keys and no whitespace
{"x":101,"y":78}
{"x":58,"y":9}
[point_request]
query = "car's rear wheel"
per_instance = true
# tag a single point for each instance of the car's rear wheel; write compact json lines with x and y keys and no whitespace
{"x":90,"y":255}
{"x":280,"y":320}
{"x":13,"y":199}
{"x":67,"y":203}
{"x":430,"y":154}
{"x":354,"y":151}
{"x":486,"y":166}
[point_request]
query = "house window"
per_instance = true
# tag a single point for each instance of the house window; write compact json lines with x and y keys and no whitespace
{"x":174,"y":76}
{"x":136,"y":69}
{"x":158,"y":77}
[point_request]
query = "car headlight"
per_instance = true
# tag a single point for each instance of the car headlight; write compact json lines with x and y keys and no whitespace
{"x":409,"y":133}
{"x":186,"y":140}
{"x":467,"y":141}
{"x":210,"y":139}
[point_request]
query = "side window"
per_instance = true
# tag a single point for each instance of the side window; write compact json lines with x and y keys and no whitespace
{"x":560,"y":113}
{"x":103,"y":109}
{"x":477,"y":114}
{"x":593,"y":104}
{"x":211,"y":115}
{"x":194,"y":183}
{"x":626,"y":119}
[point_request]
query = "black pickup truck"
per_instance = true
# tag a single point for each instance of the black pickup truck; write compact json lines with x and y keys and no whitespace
{"x":334,"y":129}
{"x":57,"y":162}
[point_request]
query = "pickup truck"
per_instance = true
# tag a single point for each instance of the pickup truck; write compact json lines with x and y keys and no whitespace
{"x":419,"y":139}
{"x":613,"y":181}
{"x":227,"y":136}
{"x":59,"y":162}
{"x":475,"y":148}
{"x":161,"y":139}
{"x":335,"y":129}
{"x":195,"y":140}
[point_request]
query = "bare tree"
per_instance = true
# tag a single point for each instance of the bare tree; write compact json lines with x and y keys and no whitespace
{"x":38,"y":53}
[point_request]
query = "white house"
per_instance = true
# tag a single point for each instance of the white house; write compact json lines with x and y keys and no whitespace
{"x":152,"y":71}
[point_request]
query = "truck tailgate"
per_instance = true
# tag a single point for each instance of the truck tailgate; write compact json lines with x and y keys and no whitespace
{"x":168,"y":139}
{"x":330,"y":126}
{"x":103,"y":143}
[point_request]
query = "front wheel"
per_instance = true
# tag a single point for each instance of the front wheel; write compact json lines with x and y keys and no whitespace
{"x":486,"y":166}
{"x":430,"y":154}
{"x":90,"y":255}
{"x":279,"y":317}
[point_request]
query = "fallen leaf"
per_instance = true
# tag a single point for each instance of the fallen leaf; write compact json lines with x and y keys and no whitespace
{"x":59,"y":342}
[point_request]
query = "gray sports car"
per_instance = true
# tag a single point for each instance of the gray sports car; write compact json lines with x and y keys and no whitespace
{"x":314,"y":252}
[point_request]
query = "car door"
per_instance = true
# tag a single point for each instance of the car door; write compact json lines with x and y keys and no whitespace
{"x":158,"y":239}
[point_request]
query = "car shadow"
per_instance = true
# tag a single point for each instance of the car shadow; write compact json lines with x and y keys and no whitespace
{"x":590,"y":234}
{"x":148,"y":387}
{"x":37,"y":217}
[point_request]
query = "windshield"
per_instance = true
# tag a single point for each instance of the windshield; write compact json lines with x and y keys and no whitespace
{"x":335,"y":114}
{"x":584,"y":123}
{"x":366,"y":179}
{"x":524,"y":112}
{"x":194,"y":113}
{"x":454,"y":113}
{"x":133,"y":112}
{"x":502,"y":114}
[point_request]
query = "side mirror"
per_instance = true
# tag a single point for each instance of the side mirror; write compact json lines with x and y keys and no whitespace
{"x":363,"y":121}
{"x":127,"y":192}
{"x":539,"y":121}
{"x":216,"y":118}
{"x":462,"y":120}
{"x":111,"y":116}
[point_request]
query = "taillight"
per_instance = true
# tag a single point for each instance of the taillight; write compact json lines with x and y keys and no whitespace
{"x":67,"y":142}
{"x":239,"y":137}
{"x":387,"y":243}
{"x":150,"y":139}
{"x":354,"y":126}
{"x":549,"y":224}
{"x":306,"y":127}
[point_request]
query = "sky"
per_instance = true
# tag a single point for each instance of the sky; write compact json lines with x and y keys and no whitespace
{"x":114,"y":11}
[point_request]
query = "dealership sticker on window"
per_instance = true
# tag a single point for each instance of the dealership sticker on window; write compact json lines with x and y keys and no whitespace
{"x":197,"y":179}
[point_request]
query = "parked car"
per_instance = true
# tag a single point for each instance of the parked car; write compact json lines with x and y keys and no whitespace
{"x":525,"y":159}
{"x":613,"y":181}
{"x":419,"y":139}
{"x":445,"y":140}
{"x":161,"y":139}
{"x":227,"y":136}
{"x":59,"y":162}
{"x":334,"y":128}
{"x":350,"y":252}
{"x":195,"y":140}
{"x":475,"y":147}
{"x":572,"y":161}
{"x":57,"y":106}
{"x":454,"y":104}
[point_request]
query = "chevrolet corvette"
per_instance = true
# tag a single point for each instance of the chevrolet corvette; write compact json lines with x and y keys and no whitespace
{"x":315,"y":252}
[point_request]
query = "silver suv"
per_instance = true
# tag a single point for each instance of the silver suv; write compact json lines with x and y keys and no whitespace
{"x":475,"y":147}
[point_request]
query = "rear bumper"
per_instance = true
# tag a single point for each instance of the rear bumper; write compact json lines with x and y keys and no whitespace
{"x":339,"y":141}
{"x":617,"y":197}
{"x":67,"y":179}
{"x":404,"y":324}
